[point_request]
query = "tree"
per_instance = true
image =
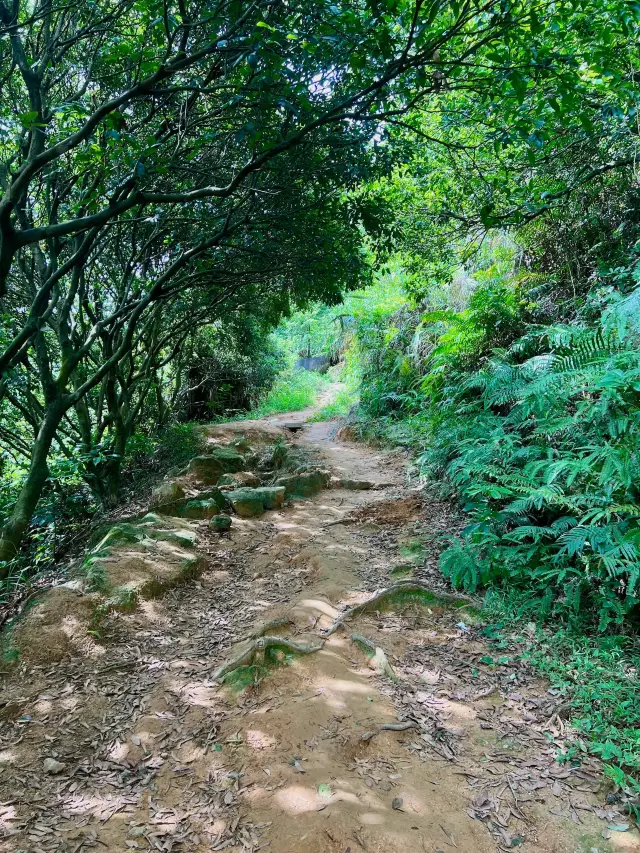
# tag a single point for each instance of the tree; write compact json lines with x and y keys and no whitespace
{"x":173,"y":138}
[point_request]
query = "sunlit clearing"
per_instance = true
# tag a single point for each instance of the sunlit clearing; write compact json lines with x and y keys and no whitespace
{"x":119,"y":751}
{"x":196,"y":694}
{"x":371,"y":818}
{"x":7,"y":813}
{"x":152,"y":612}
{"x":259,"y":740}
{"x":298,"y":800}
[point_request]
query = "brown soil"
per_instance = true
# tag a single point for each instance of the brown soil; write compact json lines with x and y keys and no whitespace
{"x":57,"y":627}
{"x":158,"y":756}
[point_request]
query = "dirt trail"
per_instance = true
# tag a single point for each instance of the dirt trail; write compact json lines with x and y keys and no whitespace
{"x":155,"y":755}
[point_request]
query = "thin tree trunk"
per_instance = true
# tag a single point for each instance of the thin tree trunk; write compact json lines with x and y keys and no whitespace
{"x":13,"y":531}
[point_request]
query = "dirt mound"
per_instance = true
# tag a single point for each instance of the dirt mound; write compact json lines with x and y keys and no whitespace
{"x":56,"y":627}
{"x":395,"y":511}
{"x":257,"y":432}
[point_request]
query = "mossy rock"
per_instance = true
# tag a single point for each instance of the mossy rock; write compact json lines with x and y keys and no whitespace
{"x":222,"y":460}
{"x":402,"y":571}
{"x":355,"y":485}
{"x":240,"y":444}
{"x":406,"y":597}
{"x":200,"y":509}
{"x":191,"y":568}
{"x":247,"y":503}
{"x":228,"y":480}
{"x":182,"y":538}
{"x":151,"y":519}
{"x":305,"y":484}
{"x":272,"y":496}
{"x":166,"y":495}
{"x":220,"y":522}
{"x":124,"y":599}
{"x":274,"y":456}
{"x":240,"y":480}
{"x":216,"y":495}
{"x":120,"y":534}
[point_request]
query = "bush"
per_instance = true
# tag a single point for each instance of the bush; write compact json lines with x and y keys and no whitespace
{"x":293,"y":391}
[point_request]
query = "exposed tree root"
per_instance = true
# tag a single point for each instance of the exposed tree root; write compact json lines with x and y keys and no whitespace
{"x":378,"y":656}
{"x":271,"y":625}
{"x":389,"y":727}
{"x":254,"y":653}
{"x":389,"y":592}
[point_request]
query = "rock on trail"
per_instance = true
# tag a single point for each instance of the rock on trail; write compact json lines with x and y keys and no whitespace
{"x":399,"y":731}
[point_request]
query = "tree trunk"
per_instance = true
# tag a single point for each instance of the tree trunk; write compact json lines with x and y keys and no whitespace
{"x":11,"y":534}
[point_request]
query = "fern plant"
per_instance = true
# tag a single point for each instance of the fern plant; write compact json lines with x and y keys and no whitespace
{"x":540,"y":442}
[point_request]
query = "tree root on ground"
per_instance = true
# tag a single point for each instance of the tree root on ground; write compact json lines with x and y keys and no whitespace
{"x":268,"y":626}
{"x":389,"y":727}
{"x":379,"y":658}
{"x":389,"y":592}
{"x":255,"y":654}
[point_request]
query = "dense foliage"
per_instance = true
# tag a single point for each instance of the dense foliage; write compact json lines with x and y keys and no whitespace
{"x":176,"y":177}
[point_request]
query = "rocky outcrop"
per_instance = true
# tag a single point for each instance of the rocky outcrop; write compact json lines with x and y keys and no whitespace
{"x":249,"y":503}
{"x":166,"y":496}
{"x":222,"y":460}
{"x":304,"y":484}
{"x":239,"y":480}
{"x":200,"y":509}
{"x":220,"y":522}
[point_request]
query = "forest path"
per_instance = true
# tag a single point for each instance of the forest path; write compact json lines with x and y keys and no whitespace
{"x":155,"y":755}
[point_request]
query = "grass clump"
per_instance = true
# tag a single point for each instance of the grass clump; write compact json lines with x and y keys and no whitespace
{"x":596,"y":674}
{"x":293,"y":391}
{"x":244,"y":676}
{"x":339,"y":407}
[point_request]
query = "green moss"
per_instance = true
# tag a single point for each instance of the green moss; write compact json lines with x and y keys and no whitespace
{"x":414,"y":552}
{"x":272,"y":496}
{"x":9,"y":653}
{"x":303,"y":485}
{"x":248,"y":503}
{"x":365,"y":648}
{"x":220,"y":522}
{"x":402,"y":571}
{"x":92,"y":570}
{"x":406,"y":597}
{"x":200,"y":509}
{"x":121,"y":534}
{"x":123,"y":599}
{"x":244,"y":676}
{"x":191,"y":568}
{"x":221,"y":460}
{"x":182,"y":538}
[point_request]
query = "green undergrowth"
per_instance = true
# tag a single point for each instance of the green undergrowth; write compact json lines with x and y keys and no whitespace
{"x":402,"y":598}
{"x":596,"y":674}
{"x":293,"y":391}
{"x":339,"y":407}
{"x":402,"y":571}
{"x":244,"y":676}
